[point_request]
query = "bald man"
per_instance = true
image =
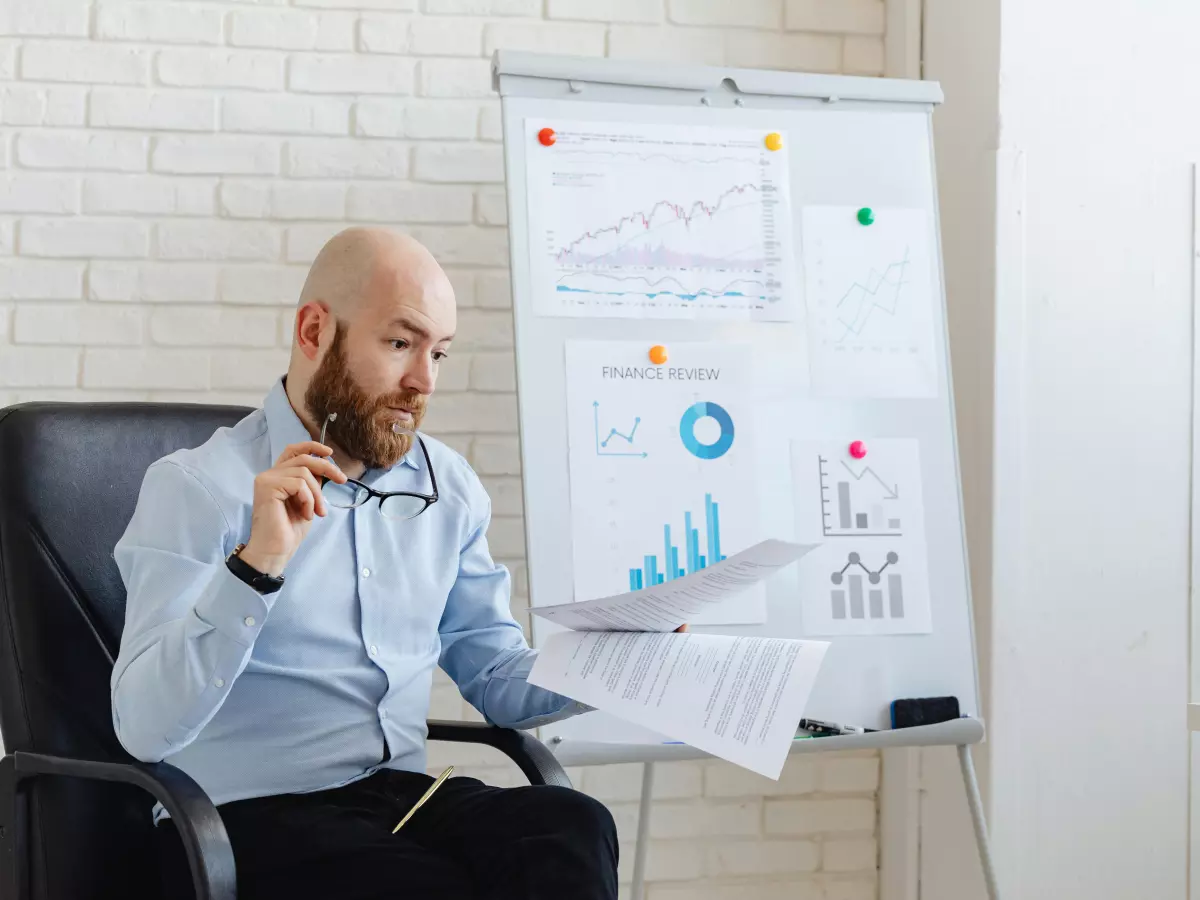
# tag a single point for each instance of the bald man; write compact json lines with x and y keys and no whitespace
{"x":288,"y":600}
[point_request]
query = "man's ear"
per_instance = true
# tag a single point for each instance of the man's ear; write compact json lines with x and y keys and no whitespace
{"x":311,"y":319}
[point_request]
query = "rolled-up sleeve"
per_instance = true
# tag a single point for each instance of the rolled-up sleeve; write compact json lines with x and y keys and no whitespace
{"x":483,"y":647}
{"x":190,"y":624}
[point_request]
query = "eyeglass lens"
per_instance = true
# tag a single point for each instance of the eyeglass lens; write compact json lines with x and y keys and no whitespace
{"x":401,"y":506}
{"x":344,"y":496}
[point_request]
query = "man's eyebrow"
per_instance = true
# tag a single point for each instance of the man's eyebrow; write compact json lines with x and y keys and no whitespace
{"x":403,"y":322}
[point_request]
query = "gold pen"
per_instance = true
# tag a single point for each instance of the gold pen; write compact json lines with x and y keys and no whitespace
{"x":429,"y":793}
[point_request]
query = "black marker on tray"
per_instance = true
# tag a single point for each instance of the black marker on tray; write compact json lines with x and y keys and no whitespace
{"x":818,"y":728}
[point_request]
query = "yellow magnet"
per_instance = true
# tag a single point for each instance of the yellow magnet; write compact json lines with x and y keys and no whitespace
{"x":774,"y":141}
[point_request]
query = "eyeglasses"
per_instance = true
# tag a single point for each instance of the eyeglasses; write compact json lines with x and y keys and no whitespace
{"x":392,"y":504}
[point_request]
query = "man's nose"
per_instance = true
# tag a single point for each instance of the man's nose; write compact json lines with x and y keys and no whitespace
{"x":419,"y":377}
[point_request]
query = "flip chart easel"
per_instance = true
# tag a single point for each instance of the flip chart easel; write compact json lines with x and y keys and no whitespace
{"x":855,"y":142}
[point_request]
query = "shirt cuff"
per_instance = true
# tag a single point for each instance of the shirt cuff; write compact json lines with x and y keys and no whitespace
{"x":234,"y":608}
{"x":574,"y":708}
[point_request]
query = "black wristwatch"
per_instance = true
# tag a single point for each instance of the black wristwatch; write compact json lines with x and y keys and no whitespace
{"x":260,"y":581}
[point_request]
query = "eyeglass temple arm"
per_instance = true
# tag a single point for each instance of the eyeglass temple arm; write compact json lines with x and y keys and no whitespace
{"x":332,"y":417}
{"x":428,"y":464}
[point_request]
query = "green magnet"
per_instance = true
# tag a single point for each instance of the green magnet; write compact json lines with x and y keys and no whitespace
{"x":866,"y":216}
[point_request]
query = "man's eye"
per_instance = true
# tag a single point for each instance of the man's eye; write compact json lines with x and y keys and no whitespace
{"x":439,"y":355}
{"x":399,"y":344}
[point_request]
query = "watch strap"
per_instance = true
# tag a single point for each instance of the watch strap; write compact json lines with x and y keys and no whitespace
{"x":260,"y":581}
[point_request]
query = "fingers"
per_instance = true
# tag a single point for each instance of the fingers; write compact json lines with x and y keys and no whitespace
{"x":297,"y":486}
{"x":682,"y":629}
{"x":302,"y":448}
{"x":318,"y":467}
{"x":300,"y":496}
{"x":308,"y":491}
{"x":310,"y":455}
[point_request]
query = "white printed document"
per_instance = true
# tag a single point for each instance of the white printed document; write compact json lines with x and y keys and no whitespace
{"x":871,"y":301}
{"x":659,"y":221}
{"x":738,"y":698}
{"x":870,"y":574}
{"x":664,"y":475}
{"x":667,"y":605}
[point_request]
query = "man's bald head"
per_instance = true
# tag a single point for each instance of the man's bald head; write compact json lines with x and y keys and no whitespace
{"x":357,"y":260}
{"x":376,"y":317}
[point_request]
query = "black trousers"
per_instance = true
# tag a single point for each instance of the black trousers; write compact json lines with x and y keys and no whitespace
{"x":470,"y":841}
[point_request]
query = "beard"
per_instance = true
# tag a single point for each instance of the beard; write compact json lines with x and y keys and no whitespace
{"x":363,"y":429}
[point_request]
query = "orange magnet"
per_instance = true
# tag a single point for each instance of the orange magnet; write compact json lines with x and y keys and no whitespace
{"x":658,"y":354}
{"x":774,"y":141}
{"x":546,"y":137}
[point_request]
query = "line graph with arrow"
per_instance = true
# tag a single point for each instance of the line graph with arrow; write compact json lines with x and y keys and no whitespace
{"x":889,"y":493}
{"x":872,"y":498}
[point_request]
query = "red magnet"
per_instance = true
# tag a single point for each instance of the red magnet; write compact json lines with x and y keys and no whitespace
{"x":546,"y":137}
{"x":858,"y":449}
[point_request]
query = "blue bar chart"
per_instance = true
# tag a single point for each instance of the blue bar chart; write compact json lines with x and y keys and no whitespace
{"x":653,"y":571}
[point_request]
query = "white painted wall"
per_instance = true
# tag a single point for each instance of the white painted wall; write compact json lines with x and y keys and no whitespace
{"x":1090,"y":612}
{"x":1086,"y":629}
{"x":168,"y":170}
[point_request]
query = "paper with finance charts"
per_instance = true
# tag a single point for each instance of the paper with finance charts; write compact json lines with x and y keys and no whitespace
{"x":738,"y":698}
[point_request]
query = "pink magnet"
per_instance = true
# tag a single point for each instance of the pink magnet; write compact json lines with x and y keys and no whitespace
{"x":858,"y":449}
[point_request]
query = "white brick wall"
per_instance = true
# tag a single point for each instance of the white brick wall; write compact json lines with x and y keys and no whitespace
{"x":169,"y":170}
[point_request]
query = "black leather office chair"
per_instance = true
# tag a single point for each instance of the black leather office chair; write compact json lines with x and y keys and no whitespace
{"x":74,"y":806}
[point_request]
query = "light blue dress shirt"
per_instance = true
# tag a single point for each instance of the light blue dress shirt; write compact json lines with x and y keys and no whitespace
{"x":327,"y":680}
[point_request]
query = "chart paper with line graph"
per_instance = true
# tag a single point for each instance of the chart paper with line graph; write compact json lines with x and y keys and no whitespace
{"x":655,"y":221}
{"x":870,"y":302}
{"x":870,"y":574}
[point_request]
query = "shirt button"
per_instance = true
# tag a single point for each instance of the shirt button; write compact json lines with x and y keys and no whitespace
{"x":220,"y":682}
{"x":383,"y":714}
{"x":249,"y":620}
{"x":366,"y":573}
{"x":374,"y":650}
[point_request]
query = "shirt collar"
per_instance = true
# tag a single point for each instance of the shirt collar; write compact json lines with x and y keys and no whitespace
{"x":284,"y":426}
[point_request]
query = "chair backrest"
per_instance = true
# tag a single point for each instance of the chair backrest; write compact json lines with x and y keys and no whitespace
{"x":69,"y":479}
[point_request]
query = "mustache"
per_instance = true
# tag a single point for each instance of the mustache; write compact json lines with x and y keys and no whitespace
{"x":409,"y":400}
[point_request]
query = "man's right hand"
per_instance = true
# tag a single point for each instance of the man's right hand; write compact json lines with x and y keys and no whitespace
{"x":286,"y":496}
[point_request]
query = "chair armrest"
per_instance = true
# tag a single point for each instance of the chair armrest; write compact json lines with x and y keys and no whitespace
{"x":530,"y":754}
{"x":200,"y":827}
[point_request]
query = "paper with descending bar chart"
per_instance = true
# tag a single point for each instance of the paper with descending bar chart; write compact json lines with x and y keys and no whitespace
{"x":870,"y":302}
{"x":659,"y":221}
{"x":662,"y":467}
{"x":870,"y":573}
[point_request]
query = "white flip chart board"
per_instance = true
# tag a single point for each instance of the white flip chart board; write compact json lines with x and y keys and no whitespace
{"x":806,"y":311}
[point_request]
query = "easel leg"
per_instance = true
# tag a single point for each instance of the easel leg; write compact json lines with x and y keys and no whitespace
{"x":638,"y":889}
{"x":975,"y":802}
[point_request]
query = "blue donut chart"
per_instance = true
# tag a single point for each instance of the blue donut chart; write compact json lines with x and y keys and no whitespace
{"x":687,"y":430}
